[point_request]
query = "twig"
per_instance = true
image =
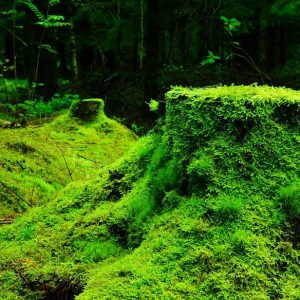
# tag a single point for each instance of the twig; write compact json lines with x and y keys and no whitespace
{"x":16,"y":36}
{"x":66,"y":163}
{"x":31,"y":197}
{"x":10,"y":189}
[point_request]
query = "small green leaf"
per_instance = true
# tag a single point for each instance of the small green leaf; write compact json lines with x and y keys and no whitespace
{"x":153,"y":105}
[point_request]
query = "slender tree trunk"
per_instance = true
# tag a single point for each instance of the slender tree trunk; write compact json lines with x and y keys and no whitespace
{"x":152,"y":61}
{"x":282,"y":42}
{"x":47,"y":69}
{"x":31,"y":54}
{"x":183,"y":39}
{"x":173,"y":34}
{"x":262,"y":45}
{"x":14,"y":46}
{"x":136,"y":54}
{"x":271,"y":48}
{"x":142,"y":35}
{"x":62,"y":55}
{"x":74,"y":55}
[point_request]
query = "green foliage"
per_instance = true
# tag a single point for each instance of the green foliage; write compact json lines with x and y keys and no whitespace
{"x":47,"y":21}
{"x":285,"y":10}
{"x":34,"y":9}
{"x":231,"y":24}
{"x":32,"y":109}
{"x":210,"y":59}
{"x":153,"y":105}
{"x":64,"y":101}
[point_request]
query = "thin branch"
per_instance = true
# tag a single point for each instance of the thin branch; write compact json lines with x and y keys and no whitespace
{"x":10,"y":189}
{"x":39,"y":57}
{"x":14,"y":47}
{"x":16,"y":36}
{"x":66,"y":163}
{"x":142,"y":35}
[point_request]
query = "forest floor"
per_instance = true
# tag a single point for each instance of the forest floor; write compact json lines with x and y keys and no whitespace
{"x":36,"y":162}
{"x":205,"y":206}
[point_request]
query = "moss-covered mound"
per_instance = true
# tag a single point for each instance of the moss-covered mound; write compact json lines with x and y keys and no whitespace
{"x":36,"y":162}
{"x":207,"y":207}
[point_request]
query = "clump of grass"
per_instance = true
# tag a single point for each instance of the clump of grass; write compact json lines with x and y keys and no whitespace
{"x":228,"y":206}
{"x":289,"y":199}
{"x":241,"y":241}
{"x":95,"y":251}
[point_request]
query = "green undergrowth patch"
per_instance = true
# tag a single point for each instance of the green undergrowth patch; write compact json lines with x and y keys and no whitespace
{"x":204,"y":207}
{"x":36,"y":162}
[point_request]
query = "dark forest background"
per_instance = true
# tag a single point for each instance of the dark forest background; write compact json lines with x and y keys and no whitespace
{"x":131,"y":51}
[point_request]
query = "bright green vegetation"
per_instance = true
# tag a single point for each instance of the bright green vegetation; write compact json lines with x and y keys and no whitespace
{"x":36,"y":162}
{"x":204,"y":207}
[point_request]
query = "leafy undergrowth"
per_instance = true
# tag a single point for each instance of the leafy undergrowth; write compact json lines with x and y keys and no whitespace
{"x":36,"y":162}
{"x":205,"y":207}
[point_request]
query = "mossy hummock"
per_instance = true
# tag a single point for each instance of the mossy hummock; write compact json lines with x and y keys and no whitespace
{"x":37,"y":162}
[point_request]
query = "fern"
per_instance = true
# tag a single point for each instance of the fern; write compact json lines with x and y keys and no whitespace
{"x":47,"y":48}
{"x":46,"y":21}
{"x":54,"y":2}
{"x":34,"y":9}
{"x":53,"y":21}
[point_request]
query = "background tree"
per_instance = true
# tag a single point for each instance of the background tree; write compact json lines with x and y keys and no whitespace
{"x":130,"y":51}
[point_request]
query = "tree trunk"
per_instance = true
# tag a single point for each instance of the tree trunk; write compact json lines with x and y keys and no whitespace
{"x":152,"y":60}
{"x":47,"y":71}
{"x":74,"y":61}
{"x":271,"y":49}
{"x":282,"y":43}
{"x":31,"y":54}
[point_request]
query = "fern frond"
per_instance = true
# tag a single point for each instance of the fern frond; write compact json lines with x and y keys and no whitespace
{"x":53,"y":21}
{"x":34,"y":9}
{"x":54,"y":2}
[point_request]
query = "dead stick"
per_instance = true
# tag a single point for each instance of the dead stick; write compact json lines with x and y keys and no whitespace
{"x":13,"y":192}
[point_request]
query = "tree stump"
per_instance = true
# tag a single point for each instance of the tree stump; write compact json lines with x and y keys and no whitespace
{"x":88,"y":110}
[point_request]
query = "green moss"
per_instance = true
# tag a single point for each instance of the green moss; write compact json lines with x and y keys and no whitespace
{"x":289,"y":198}
{"x":200,"y":210}
{"x":36,"y":162}
{"x":242,"y":133}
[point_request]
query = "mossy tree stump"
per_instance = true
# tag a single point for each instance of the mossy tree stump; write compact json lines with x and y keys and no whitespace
{"x":88,"y":110}
{"x":230,"y":133}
